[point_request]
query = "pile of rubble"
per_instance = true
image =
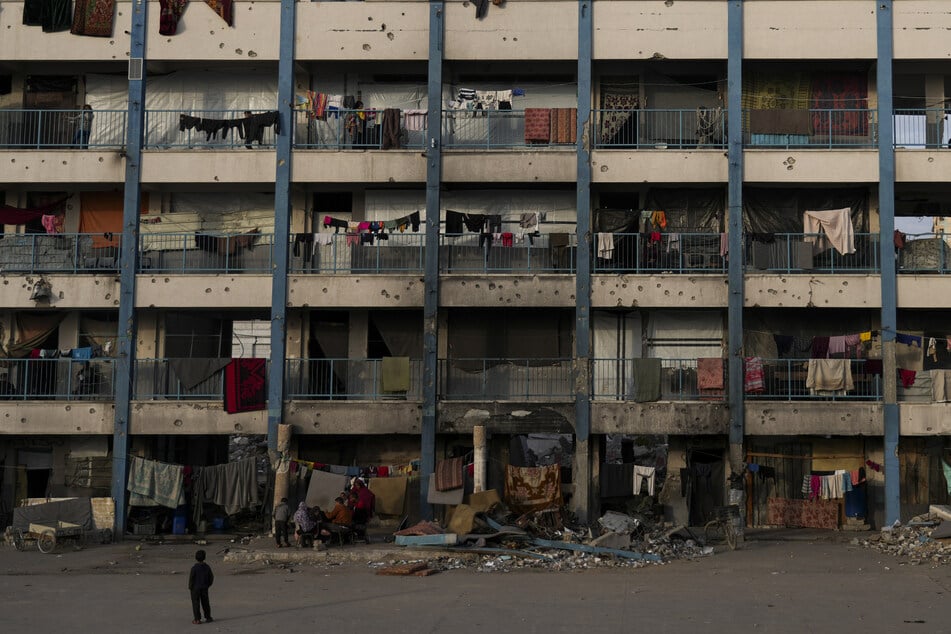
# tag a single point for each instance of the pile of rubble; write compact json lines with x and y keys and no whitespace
{"x":926,"y":539}
{"x":497,"y":541}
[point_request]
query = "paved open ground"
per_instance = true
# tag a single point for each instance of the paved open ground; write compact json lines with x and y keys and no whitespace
{"x":770,"y":586}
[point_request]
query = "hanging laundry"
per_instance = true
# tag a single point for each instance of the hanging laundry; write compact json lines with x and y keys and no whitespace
{"x":93,"y":18}
{"x":641,"y":475}
{"x":829,"y":375}
{"x":245,"y":385}
{"x":152,"y":483}
{"x":754,"y":382}
{"x":537,"y":125}
{"x":606,"y":246}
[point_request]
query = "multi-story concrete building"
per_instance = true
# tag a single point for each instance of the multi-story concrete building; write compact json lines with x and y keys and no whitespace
{"x":556,"y":127}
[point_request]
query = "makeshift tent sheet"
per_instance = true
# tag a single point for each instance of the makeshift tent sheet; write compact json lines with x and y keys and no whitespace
{"x":775,"y":91}
{"x":180,"y":92}
{"x":846,"y":93}
{"x":673,"y":334}
{"x":780,"y":210}
{"x":101,"y":214}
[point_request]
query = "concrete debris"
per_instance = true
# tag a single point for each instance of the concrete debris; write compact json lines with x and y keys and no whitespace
{"x":913,"y":542}
{"x":563,"y":544}
{"x":612,"y":540}
{"x":619,"y":522}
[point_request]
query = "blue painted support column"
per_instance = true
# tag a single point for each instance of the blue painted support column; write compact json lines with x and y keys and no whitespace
{"x":282,"y":220}
{"x":735,"y":230}
{"x":129,"y":260}
{"x":581,"y":502}
{"x":431,"y":261}
{"x":886,"y":210}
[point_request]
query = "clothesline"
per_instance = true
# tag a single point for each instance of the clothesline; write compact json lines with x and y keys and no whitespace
{"x":792,"y":457}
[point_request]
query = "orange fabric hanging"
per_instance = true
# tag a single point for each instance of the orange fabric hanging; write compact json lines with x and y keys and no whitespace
{"x":101,"y":214}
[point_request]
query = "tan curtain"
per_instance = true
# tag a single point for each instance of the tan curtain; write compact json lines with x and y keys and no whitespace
{"x":32,"y":330}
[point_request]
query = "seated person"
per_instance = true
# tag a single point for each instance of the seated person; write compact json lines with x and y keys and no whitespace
{"x":306,"y":524}
{"x":336,"y":521}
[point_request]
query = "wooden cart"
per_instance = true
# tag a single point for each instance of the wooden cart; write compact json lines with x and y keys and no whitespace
{"x":49,"y":536}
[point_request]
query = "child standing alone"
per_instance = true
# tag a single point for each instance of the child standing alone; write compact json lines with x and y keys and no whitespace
{"x":199,"y":580}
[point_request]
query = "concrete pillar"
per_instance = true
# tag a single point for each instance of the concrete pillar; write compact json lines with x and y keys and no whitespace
{"x":581,"y":476}
{"x":479,"y":458}
{"x":675,"y":504}
{"x":934,"y":101}
{"x":281,"y":463}
{"x":68,"y":334}
{"x":357,"y":338}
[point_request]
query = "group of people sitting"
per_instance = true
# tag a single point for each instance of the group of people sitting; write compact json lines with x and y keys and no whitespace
{"x":347,"y":519}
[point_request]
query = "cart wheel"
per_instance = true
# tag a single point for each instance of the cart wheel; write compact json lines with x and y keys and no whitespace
{"x":18,"y":540}
{"x":46,"y":542}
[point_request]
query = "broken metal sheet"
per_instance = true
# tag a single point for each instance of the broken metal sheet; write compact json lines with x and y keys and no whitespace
{"x":422,"y":540}
{"x":584,"y":548}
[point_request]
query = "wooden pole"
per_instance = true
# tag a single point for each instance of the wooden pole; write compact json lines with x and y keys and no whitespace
{"x":479,"y":458}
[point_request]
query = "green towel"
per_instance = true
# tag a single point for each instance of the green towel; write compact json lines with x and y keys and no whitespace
{"x":646,"y":380}
{"x":395,"y":374}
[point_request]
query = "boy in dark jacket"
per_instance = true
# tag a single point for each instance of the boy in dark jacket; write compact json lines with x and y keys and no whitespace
{"x":199,"y":580}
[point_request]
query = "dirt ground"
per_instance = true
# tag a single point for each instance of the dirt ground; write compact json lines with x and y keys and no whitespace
{"x":771,"y":586}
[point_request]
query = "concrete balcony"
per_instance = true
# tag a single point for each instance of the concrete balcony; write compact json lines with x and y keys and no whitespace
{"x":810,"y":29}
{"x":546,"y":30}
{"x":361,"y":31}
{"x":660,"y":417}
{"x":659,"y":166}
{"x":797,"y":166}
{"x":198,"y":417}
{"x":807,"y":291}
{"x":80,"y":291}
{"x":818,"y":418}
{"x":658,"y":290}
{"x":203,"y":291}
{"x":41,"y":418}
{"x":203,"y":35}
{"x":354,"y":417}
{"x":67,"y":167}
{"x":644,"y":30}
{"x":226,"y":166}
{"x":23,"y":43}
{"x":920,"y":29}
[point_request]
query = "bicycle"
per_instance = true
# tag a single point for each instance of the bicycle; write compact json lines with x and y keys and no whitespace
{"x":723,"y":526}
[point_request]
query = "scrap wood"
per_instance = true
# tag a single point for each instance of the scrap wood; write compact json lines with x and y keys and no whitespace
{"x":425,"y":573}
{"x":626,"y":554}
{"x":422,"y":528}
{"x":403,"y":570}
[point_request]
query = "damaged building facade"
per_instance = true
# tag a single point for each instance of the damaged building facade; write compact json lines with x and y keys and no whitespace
{"x":613,"y":234}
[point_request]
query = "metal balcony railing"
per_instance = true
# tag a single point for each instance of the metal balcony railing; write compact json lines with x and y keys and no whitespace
{"x":812,"y":253}
{"x":787,"y":380}
{"x":505,"y":379}
{"x":665,"y":252}
{"x":57,"y":379}
{"x":399,"y":253}
{"x":472,"y":253}
{"x":179,"y":379}
{"x":922,"y":128}
{"x":661,"y":129}
{"x":39,"y":129}
{"x":218,"y":129}
{"x":206,"y":252}
{"x":59,"y":253}
{"x":615,"y":379}
{"x":820,"y":128}
{"x":354,"y":130}
{"x":492,"y":130}
{"x":346,"y":379}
